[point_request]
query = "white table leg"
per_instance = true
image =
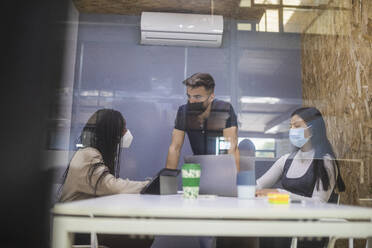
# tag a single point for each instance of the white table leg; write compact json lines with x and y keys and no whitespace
{"x":61,"y":237}
{"x":331,"y":242}
{"x":294,"y":242}
{"x":351,"y":243}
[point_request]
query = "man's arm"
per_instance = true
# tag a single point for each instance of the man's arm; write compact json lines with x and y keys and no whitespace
{"x":174,"y":150}
{"x":231,"y":135}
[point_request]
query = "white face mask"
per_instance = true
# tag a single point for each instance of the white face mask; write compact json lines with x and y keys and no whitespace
{"x":297,"y":136}
{"x":126,"y":140}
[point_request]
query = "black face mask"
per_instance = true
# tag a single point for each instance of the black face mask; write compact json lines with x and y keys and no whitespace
{"x":197,"y":107}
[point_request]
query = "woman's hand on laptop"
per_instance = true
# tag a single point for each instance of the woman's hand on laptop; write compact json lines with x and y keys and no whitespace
{"x":264,"y":192}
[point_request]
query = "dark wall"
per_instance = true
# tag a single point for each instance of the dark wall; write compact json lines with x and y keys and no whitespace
{"x":30,"y":73}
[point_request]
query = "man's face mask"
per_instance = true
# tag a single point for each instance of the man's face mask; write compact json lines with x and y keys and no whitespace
{"x":297,"y":136}
{"x":126,"y":140}
{"x":197,"y":106}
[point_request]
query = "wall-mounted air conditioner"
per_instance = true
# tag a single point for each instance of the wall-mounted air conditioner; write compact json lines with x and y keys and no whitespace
{"x":181,"y":29}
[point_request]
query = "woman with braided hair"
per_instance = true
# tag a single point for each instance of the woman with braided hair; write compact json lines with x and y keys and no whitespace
{"x":94,"y":169}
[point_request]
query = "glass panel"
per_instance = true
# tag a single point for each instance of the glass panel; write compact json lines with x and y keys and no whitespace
{"x":272,"y":16}
{"x":296,"y":20}
{"x":261,"y":154}
{"x":266,"y":1}
{"x":263,"y":143}
{"x":306,"y":2}
{"x":219,"y":69}
{"x":245,"y":3}
{"x":269,"y":21}
{"x":265,"y":72}
{"x":262,"y":23}
{"x":244,"y":26}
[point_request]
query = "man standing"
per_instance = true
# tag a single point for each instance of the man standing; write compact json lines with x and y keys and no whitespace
{"x":204,"y":119}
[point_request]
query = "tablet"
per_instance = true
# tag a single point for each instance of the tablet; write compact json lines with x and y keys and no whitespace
{"x":153,"y":187}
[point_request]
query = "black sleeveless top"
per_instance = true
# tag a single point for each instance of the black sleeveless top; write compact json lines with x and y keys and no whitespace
{"x":303,"y":185}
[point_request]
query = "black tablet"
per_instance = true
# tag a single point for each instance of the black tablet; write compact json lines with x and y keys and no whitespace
{"x":153,"y":188}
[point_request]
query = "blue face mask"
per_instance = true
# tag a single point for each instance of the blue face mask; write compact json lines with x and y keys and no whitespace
{"x":297,"y":137}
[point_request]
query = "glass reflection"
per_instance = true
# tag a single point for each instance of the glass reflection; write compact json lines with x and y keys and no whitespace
{"x":297,"y":20}
{"x":306,"y":2}
{"x":266,"y":1}
{"x":264,"y":69}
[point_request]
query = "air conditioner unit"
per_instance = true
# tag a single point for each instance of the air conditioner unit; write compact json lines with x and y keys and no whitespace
{"x":181,"y":29}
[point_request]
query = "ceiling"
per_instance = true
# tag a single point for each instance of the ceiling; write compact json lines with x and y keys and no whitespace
{"x":227,"y":8}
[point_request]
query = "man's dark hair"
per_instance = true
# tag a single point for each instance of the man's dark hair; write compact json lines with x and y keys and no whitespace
{"x":200,"y":79}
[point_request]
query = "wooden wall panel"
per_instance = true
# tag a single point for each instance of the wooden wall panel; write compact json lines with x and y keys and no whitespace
{"x":337,"y":79}
{"x":135,"y":7}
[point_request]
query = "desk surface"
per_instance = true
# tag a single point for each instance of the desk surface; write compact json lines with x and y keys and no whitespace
{"x":174,"y":206}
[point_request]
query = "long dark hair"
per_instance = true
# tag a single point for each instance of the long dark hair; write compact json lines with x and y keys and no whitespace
{"x":321,"y":145}
{"x":103,"y":131}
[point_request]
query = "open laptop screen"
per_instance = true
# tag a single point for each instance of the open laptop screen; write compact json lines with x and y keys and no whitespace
{"x":218,"y":174}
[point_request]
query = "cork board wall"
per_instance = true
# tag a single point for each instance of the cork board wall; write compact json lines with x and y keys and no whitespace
{"x":337,"y":79}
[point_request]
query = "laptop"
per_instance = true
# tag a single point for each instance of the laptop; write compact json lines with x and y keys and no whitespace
{"x":218,"y":174}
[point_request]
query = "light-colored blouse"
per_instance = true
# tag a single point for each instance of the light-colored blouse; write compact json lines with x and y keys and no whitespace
{"x":301,"y":163}
{"x":77,"y":185}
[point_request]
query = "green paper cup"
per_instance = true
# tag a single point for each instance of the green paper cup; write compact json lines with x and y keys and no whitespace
{"x":191,"y":180}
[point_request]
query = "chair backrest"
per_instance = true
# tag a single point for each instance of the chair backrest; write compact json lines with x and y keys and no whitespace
{"x":334,"y":198}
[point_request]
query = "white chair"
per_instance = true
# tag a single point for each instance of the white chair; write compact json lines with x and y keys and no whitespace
{"x":332,"y":240}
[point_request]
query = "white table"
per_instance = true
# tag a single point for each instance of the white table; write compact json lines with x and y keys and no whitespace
{"x":218,"y":216}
